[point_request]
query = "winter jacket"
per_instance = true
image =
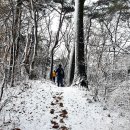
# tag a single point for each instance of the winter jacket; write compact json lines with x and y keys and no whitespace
{"x":60,"y":73}
{"x":54,"y":74}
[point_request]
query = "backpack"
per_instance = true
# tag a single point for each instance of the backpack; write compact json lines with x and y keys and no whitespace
{"x":61,"y":72}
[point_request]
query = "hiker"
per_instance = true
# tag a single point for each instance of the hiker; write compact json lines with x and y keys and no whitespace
{"x":60,"y":75}
{"x":54,"y":76}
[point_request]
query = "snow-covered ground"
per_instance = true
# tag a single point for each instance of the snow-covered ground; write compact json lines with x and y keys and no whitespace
{"x":41,"y":105}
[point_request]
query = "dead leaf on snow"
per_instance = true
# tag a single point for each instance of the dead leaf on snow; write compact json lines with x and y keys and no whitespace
{"x":53,"y":103}
{"x":59,"y":93}
{"x":55,"y":117}
{"x":63,"y":128}
{"x":55,"y":124}
{"x":64,"y":113}
{"x":61,"y":104}
{"x":59,"y":98}
{"x":16,"y":129}
{"x":54,"y":96}
{"x":52,"y":111}
{"x":61,"y":120}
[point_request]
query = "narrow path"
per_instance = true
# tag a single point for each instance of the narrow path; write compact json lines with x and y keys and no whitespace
{"x":44,"y":106}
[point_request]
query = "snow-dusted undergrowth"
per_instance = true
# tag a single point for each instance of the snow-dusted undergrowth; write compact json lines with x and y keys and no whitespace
{"x":41,"y":105}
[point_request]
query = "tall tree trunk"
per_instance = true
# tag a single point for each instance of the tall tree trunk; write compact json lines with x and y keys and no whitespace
{"x":32,"y":74}
{"x":80,"y":73}
{"x":27,"y":52}
{"x":86,"y":48}
{"x":71,"y":66}
{"x":15,"y":41}
{"x":4,"y":81}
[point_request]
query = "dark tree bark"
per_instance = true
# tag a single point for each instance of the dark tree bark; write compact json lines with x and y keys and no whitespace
{"x":80,"y":72}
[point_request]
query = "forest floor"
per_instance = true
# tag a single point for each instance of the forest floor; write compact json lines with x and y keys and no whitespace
{"x":41,"y":105}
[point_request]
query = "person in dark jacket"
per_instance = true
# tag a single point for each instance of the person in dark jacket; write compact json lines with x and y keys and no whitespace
{"x":60,"y":75}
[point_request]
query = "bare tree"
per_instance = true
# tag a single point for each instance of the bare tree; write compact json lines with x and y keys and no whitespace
{"x":62,"y":16}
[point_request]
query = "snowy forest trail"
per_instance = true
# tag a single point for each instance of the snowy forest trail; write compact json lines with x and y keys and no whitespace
{"x":41,"y":105}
